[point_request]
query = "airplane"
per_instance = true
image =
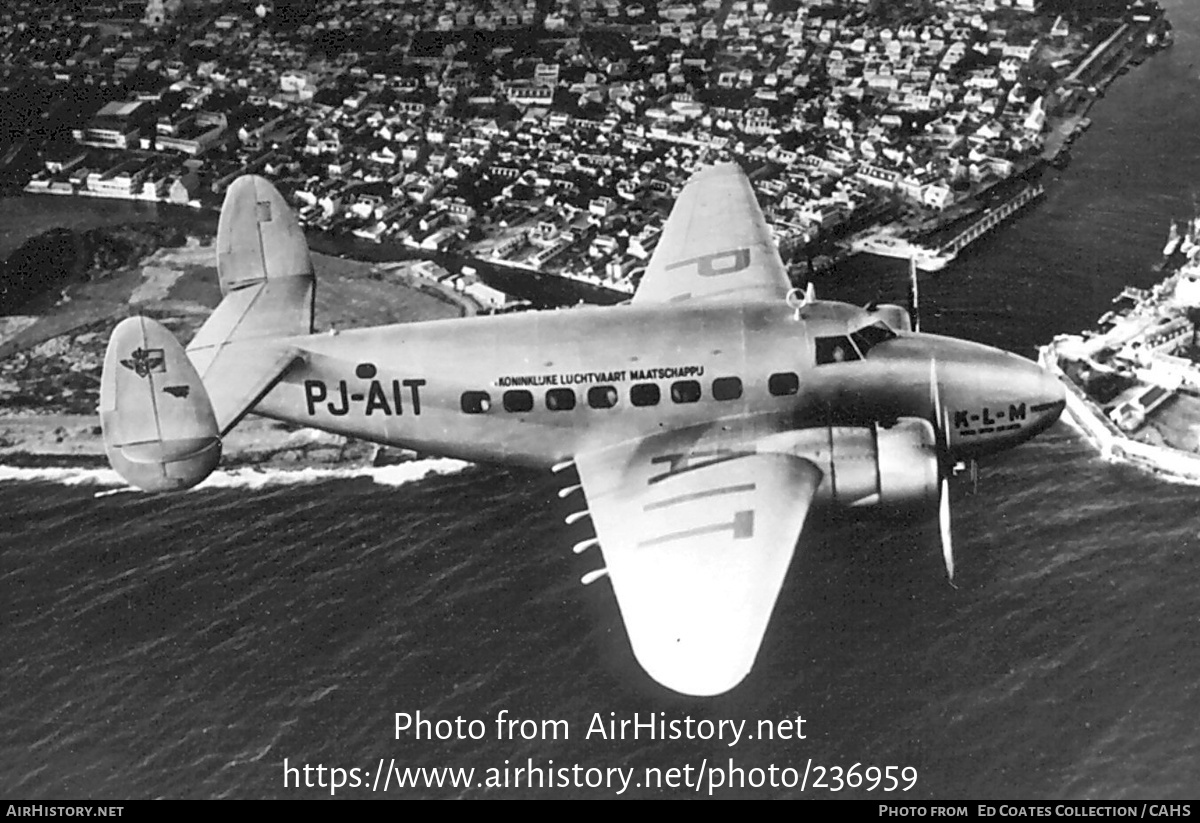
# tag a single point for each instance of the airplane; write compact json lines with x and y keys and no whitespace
{"x":703,"y":419}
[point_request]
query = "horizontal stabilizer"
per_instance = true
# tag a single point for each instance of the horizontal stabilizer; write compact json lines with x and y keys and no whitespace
{"x":265,"y":272}
{"x":238,"y":375}
{"x":160,"y":433}
{"x":273,"y":308}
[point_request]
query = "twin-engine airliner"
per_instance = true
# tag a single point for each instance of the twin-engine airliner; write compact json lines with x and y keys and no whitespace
{"x":703,"y":419}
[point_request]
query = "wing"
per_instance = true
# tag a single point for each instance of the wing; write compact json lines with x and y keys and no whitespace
{"x":715,"y":245}
{"x":697,"y":539}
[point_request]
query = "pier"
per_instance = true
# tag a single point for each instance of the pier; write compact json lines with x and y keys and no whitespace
{"x":1102,"y":53}
{"x":990,"y":219}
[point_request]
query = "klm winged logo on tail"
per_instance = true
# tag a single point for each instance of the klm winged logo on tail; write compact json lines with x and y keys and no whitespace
{"x":143,"y":361}
{"x":703,"y":420}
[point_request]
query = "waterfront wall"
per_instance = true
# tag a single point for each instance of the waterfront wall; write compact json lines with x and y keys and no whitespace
{"x":1090,"y":421}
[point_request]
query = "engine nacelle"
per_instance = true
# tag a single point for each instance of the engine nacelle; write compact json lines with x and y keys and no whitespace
{"x":876,"y":465}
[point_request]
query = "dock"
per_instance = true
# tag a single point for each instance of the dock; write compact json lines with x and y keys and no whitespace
{"x":990,"y":218}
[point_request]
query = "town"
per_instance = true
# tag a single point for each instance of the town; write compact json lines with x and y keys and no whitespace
{"x":549,"y":136}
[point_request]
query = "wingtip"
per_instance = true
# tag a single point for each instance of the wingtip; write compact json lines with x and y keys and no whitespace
{"x":695,"y":677}
{"x":697,"y":657}
{"x":716,"y":170}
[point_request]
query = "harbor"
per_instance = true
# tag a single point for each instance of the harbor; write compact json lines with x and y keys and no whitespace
{"x":935,"y":250}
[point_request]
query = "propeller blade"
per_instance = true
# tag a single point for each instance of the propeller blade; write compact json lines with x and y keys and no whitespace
{"x":914,"y":295}
{"x":941,"y":431}
{"x":935,"y":400}
{"x":944,"y":527}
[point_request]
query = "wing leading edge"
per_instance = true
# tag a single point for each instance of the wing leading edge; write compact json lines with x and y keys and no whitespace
{"x":697,"y":541}
{"x":715,"y":245}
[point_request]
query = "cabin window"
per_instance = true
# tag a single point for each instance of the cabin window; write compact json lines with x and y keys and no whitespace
{"x":727,"y":388}
{"x":685,"y":391}
{"x":871,"y":336}
{"x":783,"y":384}
{"x":644,"y":394}
{"x":602,"y":397}
{"x":560,"y":400}
{"x":835,"y":350}
{"x":518,"y":400}
{"x":476,"y":402}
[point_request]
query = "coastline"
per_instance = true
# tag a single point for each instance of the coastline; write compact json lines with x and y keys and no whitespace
{"x":50,"y":360}
{"x":1162,"y":462}
{"x":1131,"y":383}
{"x":59,"y":441}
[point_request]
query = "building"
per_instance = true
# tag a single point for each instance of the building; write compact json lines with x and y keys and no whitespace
{"x":118,"y":125}
{"x":192,"y":134}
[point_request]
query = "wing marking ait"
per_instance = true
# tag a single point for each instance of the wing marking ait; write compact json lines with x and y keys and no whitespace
{"x":715,"y":246}
{"x":697,"y":554}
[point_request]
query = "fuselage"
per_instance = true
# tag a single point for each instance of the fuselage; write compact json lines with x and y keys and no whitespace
{"x":541,"y":387}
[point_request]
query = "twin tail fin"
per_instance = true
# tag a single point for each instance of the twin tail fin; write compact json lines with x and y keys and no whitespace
{"x":163,"y":410}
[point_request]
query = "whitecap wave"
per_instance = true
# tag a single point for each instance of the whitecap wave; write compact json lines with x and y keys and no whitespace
{"x":246,"y":478}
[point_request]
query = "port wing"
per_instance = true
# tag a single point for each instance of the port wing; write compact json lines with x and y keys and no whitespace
{"x":697,"y":538}
{"x":715,"y":245}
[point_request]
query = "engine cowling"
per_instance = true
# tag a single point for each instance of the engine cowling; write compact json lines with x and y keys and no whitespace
{"x":876,"y":465}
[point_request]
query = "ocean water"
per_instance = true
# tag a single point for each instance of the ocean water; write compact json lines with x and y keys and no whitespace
{"x":185,"y":646}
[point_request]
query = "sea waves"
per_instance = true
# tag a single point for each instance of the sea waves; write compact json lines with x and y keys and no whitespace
{"x":246,"y":478}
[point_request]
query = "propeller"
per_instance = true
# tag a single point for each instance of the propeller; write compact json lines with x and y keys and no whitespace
{"x":914,"y":295}
{"x":941,"y":428}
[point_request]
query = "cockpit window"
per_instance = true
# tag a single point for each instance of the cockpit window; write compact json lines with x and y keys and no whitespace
{"x":835,"y":350}
{"x":871,"y":336}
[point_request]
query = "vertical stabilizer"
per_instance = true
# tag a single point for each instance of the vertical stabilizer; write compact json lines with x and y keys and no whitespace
{"x":159,"y":429}
{"x":258,"y":237}
{"x":267,"y":279}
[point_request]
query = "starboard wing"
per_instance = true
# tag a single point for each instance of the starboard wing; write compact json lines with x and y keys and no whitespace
{"x":715,"y":245}
{"x":697,"y":539}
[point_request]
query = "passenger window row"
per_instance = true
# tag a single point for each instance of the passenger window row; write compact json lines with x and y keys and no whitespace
{"x":640,"y":394}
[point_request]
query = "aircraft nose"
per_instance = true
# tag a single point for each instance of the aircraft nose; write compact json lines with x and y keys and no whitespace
{"x":994,"y":400}
{"x":1050,"y":397}
{"x":1023,"y":400}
